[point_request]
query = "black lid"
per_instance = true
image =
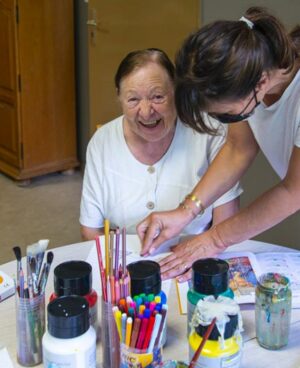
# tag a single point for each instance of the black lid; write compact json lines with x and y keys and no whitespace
{"x":210,"y":276}
{"x":68,"y":316}
{"x":230,"y":328}
{"x":144,"y":277}
{"x":73,"y":278}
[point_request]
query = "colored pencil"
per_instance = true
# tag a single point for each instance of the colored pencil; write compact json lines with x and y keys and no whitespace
{"x":117,"y":250}
{"x":106,"y":235}
{"x":124,"y":250}
{"x":101,"y":268}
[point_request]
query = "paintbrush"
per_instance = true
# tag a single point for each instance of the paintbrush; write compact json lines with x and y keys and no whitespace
{"x":203,"y":341}
{"x":18,"y":254}
{"x":45,"y":273}
{"x":37,"y":251}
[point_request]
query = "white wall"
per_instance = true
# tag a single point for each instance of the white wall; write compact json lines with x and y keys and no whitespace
{"x":260,"y":176}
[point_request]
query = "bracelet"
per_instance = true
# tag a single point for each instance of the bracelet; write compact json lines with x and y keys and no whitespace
{"x":188,"y":208}
{"x":197,"y":203}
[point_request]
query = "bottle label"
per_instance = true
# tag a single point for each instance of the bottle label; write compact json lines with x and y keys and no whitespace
{"x":232,"y":361}
{"x":74,"y":360}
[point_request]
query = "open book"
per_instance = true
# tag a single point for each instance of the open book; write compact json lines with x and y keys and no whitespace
{"x":244,"y":270}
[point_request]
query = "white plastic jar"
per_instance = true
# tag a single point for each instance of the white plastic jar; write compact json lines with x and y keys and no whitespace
{"x":70,"y":341}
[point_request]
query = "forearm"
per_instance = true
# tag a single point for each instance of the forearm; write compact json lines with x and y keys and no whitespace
{"x":88,"y":233}
{"x":223,"y":212}
{"x":265,"y":212}
{"x":230,"y":164}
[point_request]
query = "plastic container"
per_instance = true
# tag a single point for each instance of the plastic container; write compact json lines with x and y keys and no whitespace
{"x":145,"y":279}
{"x":209,"y":277}
{"x":140,"y":358}
{"x":273,"y":303}
{"x":30,"y":327}
{"x":221,"y":349}
{"x":75,"y":278}
{"x":70,"y":340}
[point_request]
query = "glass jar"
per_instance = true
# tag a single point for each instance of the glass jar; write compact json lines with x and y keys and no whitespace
{"x":273,"y":302}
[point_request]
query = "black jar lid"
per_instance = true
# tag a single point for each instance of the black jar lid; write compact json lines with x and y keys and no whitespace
{"x":68,"y":316}
{"x":230,"y":329}
{"x":210,"y":276}
{"x":144,"y":277}
{"x":73,"y":278}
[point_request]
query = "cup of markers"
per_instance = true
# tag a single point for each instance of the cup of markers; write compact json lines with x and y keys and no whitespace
{"x":140,"y":322}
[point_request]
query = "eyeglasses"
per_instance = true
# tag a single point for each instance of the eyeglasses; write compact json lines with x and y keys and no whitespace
{"x":235,"y":118}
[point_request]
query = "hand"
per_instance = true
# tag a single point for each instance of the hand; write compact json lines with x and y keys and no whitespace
{"x":186,"y":253}
{"x":161,"y":226}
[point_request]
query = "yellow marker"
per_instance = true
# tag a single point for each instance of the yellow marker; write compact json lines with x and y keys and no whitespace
{"x":128,"y":331}
{"x":118,"y":319}
{"x":106,"y":234}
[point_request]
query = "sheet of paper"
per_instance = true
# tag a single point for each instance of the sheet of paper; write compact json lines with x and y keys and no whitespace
{"x":5,"y":361}
{"x":133,"y":255}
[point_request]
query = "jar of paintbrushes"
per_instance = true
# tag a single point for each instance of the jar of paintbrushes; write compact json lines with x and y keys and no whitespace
{"x":30,"y":302}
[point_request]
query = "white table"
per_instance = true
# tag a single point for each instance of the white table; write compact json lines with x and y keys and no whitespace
{"x":177,"y":347}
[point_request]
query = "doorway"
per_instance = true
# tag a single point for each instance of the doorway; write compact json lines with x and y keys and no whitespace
{"x":106,"y":31}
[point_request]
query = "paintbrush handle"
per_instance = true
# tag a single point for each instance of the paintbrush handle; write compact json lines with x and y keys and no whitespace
{"x":204,"y":339}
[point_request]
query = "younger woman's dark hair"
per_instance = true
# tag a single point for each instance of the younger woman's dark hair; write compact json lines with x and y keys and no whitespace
{"x":224,"y":61}
{"x":137,"y":59}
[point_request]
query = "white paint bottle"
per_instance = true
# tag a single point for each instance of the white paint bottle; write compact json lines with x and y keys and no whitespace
{"x":70,"y":341}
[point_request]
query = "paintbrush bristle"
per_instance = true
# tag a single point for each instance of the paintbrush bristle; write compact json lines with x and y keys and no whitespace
{"x":18,"y":254}
{"x":50,"y":257}
{"x":38,"y":247}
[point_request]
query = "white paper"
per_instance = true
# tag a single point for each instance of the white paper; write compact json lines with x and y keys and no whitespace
{"x":5,"y":361}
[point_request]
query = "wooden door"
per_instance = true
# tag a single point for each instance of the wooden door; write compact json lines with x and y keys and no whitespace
{"x":118,"y":27}
{"x":46,"y":49}
{"x":9,"y":128}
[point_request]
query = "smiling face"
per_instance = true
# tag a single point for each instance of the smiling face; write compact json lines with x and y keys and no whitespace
{"x":147,"y":99}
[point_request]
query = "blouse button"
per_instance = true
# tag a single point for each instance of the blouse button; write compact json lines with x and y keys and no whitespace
{"x":150,"y":205}
{"x":151,"y":169}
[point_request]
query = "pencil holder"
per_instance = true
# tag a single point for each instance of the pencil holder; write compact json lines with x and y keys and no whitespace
{"x":30,"y":327}
{"x":131,"y":357}
{"x":110,"y":340}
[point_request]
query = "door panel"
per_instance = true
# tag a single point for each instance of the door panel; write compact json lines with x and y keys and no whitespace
{"x":9,"y":148}
{"x":118,"y":27}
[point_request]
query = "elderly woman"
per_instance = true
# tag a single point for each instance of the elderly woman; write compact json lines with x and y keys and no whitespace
{"x":147,"y":159}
